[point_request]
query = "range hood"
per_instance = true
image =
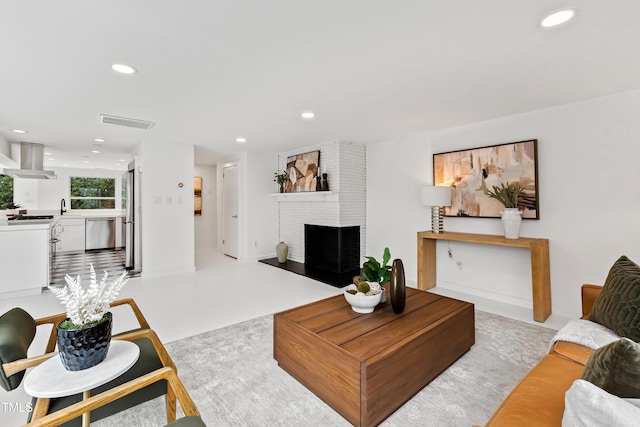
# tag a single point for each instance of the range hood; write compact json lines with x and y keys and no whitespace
{"x":31,"y":166}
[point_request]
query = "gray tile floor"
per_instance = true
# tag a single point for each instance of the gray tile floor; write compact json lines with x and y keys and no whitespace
{"x":79,"y":264}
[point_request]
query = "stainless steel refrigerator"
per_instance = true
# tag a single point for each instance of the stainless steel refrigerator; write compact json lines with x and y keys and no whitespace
{"x":132,"y":229}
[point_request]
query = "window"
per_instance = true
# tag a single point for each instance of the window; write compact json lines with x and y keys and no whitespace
{"x":6,"y":191}
{"x":93,"y":193}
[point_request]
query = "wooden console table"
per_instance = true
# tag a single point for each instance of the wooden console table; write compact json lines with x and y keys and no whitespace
{"x":540,"y":272}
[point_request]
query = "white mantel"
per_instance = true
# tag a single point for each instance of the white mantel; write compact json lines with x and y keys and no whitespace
{"x":308,"y":196}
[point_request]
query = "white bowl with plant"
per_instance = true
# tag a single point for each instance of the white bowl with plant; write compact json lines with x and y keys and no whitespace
{"x":363,"y":297}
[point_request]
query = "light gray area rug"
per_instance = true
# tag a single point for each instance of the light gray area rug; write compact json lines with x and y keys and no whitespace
{"x":231,"y":375}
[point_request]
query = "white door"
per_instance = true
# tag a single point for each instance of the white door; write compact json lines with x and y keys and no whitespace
{"x":231,"y":227}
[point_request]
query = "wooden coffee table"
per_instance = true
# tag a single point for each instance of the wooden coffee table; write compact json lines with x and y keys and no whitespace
{"x":366,"y":366}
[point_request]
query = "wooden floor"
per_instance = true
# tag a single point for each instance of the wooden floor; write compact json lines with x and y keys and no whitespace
{"x":365,"y":366}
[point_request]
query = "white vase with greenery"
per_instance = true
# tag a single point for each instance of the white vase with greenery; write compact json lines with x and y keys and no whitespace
{"x":511,"y":215}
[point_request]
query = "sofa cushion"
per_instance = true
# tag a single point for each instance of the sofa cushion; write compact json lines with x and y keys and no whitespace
{"x":618,"y":305}
{"x":588,"y":405}
{"x":615,"y":368}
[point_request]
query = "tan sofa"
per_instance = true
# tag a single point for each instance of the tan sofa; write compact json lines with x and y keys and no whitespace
{"x":538,"y":400}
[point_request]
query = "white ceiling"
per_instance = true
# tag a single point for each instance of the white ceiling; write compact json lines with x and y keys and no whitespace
{"x":371,"y":70}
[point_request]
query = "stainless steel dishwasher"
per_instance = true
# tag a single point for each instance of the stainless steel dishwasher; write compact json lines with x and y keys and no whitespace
{"x":100,"y":233}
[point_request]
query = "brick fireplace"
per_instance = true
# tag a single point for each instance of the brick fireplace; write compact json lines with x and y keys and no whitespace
{"x":342,"y":209}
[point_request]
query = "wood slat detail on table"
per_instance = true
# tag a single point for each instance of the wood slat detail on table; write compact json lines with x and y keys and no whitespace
{"x":365,"y":366}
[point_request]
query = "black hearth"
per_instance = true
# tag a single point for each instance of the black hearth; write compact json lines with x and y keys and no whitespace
{"x":332,"y":255}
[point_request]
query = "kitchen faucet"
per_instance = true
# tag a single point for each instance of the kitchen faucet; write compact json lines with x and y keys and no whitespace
{"x":62,"y":207}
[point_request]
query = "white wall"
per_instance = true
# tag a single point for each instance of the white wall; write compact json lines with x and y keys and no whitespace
{"x":45,"y":194}
{"x":167,"y":209}
{"x":256,"y":208}
{"x":205,"y":225}
{"x":589,"y":200}
{"x":261,"y":232}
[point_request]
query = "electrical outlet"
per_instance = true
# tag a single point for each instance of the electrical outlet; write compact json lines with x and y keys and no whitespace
{"x":459,"y":264}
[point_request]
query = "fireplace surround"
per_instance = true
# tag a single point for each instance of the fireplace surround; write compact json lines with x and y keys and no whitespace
{"x":335,"y":249}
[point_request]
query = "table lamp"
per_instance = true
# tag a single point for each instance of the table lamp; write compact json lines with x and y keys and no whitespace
{"x":436,"y":197}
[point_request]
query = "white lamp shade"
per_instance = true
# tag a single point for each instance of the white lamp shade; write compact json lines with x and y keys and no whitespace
{"x":436,"y":196}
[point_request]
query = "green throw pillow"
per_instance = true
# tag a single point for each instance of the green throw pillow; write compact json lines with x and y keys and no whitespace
{"x":618,"y":305}
{"x":615,"y":368}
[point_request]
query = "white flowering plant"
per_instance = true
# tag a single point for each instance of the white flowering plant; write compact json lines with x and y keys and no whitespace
{"x":87,"y":307}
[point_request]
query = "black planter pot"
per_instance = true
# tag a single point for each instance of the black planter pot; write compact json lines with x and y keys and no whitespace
{"x":86,"y":347}
{"x":397,"y":286}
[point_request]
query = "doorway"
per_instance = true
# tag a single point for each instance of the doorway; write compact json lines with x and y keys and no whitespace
{"x":230,"y":223}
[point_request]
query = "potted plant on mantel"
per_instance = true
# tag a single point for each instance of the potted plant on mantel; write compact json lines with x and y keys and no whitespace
{"x":280,"y":178}
{"x":84,"y":336}
{"x":511,"y":216}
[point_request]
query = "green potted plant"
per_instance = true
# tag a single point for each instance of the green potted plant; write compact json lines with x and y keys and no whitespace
{"x":9,"y":208}
{"x":511,"y":216}
{"x":373,"y":271}
{"x":506,"y":194}
{"x":280,"y":178}
{"x":83,"y":337}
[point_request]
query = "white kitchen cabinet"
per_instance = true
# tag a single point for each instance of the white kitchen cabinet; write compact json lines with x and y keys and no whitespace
{"x":72,"y":234}
{"x":24,"y":259}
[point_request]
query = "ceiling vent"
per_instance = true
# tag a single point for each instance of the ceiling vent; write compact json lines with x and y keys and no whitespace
{"x":124,"y":121}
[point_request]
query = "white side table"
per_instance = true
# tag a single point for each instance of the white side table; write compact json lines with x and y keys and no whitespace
{"x":51,"y":379}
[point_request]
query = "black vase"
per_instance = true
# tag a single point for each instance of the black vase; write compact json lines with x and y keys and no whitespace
{"x":325,"y":182}
{"x":397,"y":286}
{"x":86,"y":347}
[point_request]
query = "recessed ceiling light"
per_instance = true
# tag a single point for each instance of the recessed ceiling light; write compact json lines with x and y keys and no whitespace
{"x":124,"y":68}
{"x":118,"y":164}
{"x":95,"y":151}
{"x":558,"y":17}
{"x":46,"y":153}
{"x":241,"y":140}
{"x":308,"y":115}
{"x":51,"y":159}
{"x":99,"y":140}
{"x":85,"y":161}
{"x":121,"y":160}
{"x":19,"y":131}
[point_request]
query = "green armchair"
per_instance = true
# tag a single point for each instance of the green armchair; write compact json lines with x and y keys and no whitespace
{"x":191,"y":418}
{"x":17,"y":331}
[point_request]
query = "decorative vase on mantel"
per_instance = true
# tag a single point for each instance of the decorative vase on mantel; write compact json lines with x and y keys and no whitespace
{"x":282,"y":250}
{"x":511,"y":221}
{"x":84,"y":347}
{"x":397,"y":286}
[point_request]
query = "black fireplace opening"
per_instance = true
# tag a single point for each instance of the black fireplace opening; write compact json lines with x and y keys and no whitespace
{"x":333,"y":249}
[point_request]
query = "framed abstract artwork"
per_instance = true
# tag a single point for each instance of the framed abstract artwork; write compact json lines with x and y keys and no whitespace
{"x":302,"y":172}
{"x":197,"y":195}
{"x":472,"y":173}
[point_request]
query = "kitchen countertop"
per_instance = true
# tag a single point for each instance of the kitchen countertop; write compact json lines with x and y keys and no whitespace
{"x":44,"y":224}
{"x":31,"y":224}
